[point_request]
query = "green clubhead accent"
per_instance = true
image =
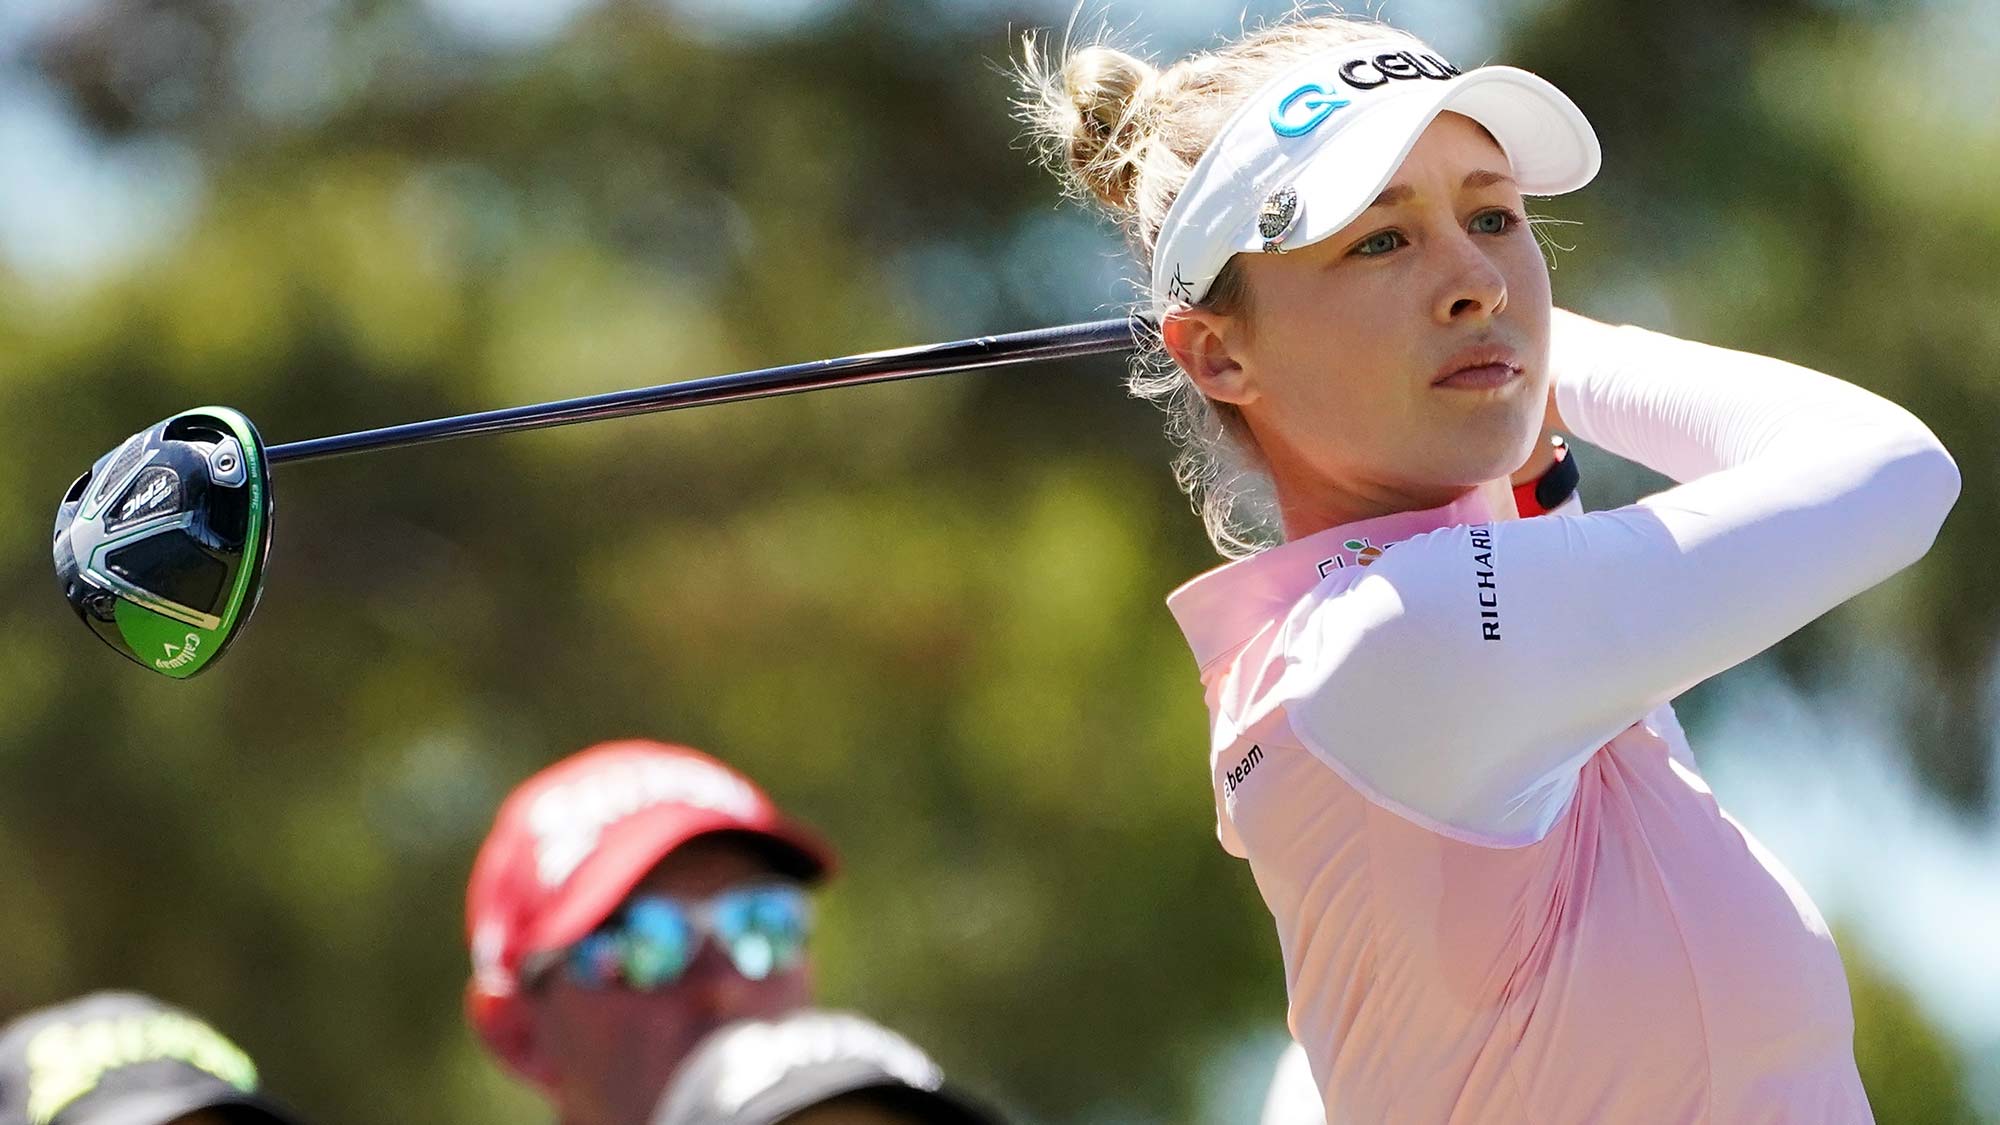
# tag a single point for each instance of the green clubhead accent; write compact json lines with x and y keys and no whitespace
{"x":160,"y":546}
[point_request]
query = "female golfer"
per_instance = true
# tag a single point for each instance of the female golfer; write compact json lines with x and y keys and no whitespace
{"x":1439,"y":732}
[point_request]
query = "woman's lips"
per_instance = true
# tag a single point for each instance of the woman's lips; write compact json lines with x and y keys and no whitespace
{"x":1483,"y":377}
{"x":1479,"y":368}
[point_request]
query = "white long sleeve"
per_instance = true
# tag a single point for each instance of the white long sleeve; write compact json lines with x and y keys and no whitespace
{"x":1469,"y":672}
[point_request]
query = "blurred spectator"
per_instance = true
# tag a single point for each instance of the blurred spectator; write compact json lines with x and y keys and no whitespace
{"x":120,"y":1058}
{"x":630,"y":900}
{"x":814,"y":1068}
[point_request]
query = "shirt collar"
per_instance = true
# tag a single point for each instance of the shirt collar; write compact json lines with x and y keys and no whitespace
{"x":1219,"y":610}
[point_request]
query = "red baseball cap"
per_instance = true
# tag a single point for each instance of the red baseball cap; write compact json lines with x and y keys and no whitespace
{"x":572,"y":841}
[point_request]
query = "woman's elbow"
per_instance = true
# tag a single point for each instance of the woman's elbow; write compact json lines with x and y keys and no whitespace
{"x":1923,"y":482}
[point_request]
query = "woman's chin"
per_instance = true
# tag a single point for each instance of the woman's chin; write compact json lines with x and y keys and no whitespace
{"x":1473,"y":472}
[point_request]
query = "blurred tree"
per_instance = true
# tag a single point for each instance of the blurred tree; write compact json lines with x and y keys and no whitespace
{"x":1913,"y":1075}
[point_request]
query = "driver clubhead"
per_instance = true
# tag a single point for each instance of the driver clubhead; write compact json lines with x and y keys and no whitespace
{"x":160,"y":547}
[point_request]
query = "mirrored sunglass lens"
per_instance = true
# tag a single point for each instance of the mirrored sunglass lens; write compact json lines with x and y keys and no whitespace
{"x":658,"y":944}
{"x":594,"y":960}
{"x":764,"y":930}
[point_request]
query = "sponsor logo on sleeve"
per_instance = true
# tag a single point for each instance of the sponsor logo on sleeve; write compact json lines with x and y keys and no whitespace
{"x":1484,"y":584}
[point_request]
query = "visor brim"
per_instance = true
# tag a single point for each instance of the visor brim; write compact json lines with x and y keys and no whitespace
{"x":1550,"y":147}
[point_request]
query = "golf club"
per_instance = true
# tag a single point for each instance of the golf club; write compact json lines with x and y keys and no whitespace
{"x":160,"y":547}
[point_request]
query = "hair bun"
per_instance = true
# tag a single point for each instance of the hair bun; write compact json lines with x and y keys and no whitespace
{"x":1108,"y":93}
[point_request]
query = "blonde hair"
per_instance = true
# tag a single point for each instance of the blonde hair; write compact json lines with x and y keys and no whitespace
{"x":1124,"y":135}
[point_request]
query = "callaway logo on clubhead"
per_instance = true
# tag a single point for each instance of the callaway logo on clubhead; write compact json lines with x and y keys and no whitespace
{"x":181,"y":655}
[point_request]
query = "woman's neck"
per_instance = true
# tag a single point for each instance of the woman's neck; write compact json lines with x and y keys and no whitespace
{"x":1310,"y":511}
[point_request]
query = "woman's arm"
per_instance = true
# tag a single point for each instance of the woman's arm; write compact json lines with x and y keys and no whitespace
{"x":1469,"y":673}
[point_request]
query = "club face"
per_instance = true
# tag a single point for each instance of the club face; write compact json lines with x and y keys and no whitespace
{"x":160,"y":547}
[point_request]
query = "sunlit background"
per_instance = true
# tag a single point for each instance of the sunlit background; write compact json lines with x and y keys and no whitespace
{"x":927,"y":616}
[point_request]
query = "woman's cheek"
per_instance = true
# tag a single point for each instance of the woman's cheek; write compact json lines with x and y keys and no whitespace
{"x":1528,"y":270}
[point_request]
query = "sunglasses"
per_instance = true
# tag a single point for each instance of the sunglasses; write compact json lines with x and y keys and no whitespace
{"x":650,"y":942}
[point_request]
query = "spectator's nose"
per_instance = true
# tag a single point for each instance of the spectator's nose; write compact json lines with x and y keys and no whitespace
{"x":716,"y":988}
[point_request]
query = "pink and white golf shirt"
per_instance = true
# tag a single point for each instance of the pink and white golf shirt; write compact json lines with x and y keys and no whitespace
{"x":1502,"y":891}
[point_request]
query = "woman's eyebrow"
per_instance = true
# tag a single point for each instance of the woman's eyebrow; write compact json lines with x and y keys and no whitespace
{"x":1478,"y":178}
{"x":1392,"y":195}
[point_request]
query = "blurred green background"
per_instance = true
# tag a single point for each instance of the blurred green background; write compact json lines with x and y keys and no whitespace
{"x":927,"y":616}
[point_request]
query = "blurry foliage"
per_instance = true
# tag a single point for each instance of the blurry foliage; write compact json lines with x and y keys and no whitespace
{"x":1912,"y":1073}
{"x":927,"y":616}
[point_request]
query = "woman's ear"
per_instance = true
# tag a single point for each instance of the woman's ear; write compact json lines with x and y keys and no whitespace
{"x":1200,"y":342}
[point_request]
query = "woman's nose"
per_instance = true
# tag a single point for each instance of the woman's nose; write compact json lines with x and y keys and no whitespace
{"x":1476,"y":289}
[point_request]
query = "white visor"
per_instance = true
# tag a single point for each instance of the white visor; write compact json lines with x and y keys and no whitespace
{"x":1312,"y":149}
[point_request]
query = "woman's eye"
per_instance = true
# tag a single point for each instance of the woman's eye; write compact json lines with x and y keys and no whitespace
{"x":1380,"y":242}
{"x":1493,"y":222}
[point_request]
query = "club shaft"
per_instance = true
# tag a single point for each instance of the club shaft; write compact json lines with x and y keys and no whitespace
{"x":1063,"y":342}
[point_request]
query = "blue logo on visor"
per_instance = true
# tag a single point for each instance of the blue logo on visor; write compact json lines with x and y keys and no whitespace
{"x":1287,"y":124}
